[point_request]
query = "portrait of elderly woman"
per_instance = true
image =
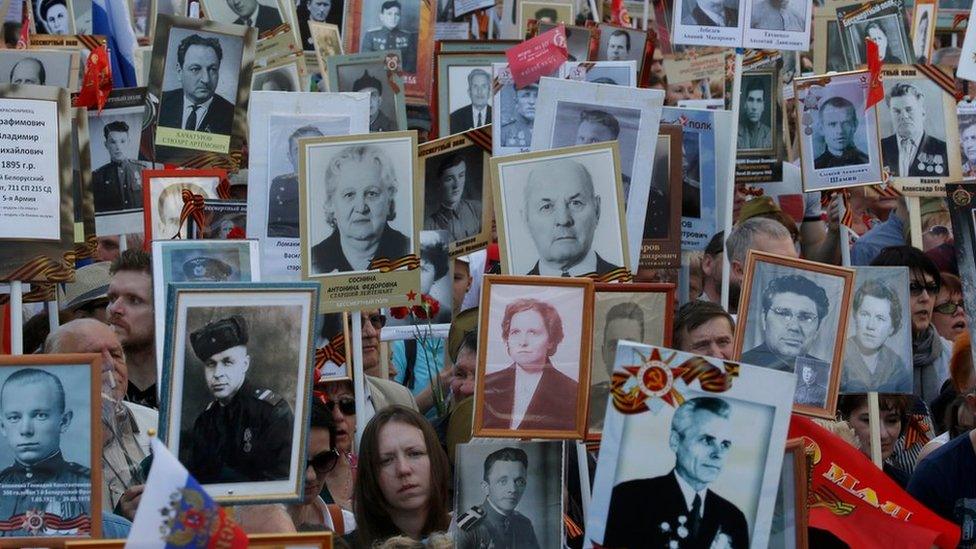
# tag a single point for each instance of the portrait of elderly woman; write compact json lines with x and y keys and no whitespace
{"x":870,"y":362}
{"x":530,"y":393}
{"x":360,"y":201}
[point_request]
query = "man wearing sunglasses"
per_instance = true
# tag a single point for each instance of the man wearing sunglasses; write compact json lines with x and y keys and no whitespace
{"x":313,"y":513}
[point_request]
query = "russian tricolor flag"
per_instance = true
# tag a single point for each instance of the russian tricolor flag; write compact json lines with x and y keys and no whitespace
{"x":175,"y":511}
{"x":111,"y":18}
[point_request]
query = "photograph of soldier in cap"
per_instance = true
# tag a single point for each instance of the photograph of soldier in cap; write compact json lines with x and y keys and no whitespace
{"x":545,"y":12}
{"x":371,"y":78}
{"x":509,"y":493}
{"x":392,"y":25}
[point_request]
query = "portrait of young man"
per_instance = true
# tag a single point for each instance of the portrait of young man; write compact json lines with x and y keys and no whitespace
{"x":380,"y":120}
{"x":196,"y":105}
{"x":455,"y":188}
{"x":497,"y":522}
{"x":117,"y":184}
{"x":838,"y":127}
{"x":622,"y":321}
{"x":283,"y":206}
{"x":912,"y":150}
{"x":709,"y":13}
{"x":756,"y":108}
{"x":392,"y":34}
{"x":811,"y":384}
{"x":478,"y":112}
{"x":618,"y":46}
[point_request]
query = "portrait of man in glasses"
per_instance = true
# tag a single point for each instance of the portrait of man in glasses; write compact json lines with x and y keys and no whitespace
{"x":793,"y":308}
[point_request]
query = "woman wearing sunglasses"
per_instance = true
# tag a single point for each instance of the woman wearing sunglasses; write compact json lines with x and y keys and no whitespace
{"x":948,"y":315}
{"x":313,"y":513}
{"x":341,"y":407}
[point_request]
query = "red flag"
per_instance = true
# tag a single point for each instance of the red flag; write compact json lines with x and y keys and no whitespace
{"x":854,"y":500}
{"x":875,"y":89}
{"x":619,"y":14}
{"x":97,"y":84}
{"x":23,"y":41}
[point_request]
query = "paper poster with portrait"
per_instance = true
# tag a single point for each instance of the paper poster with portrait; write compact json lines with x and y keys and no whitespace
{"x":571,"y":112}
{"x":260,"y":413}
{"x":617,"y":73}
{"x":544,"y":11}
{"x":676,"y":419}
{"x":54,"y":17}
{"x":966,"y":122}
{"x":36,"y":200}
{"x":708,"y":23}
{"x":639,"y":312}
{"x":582,"y":43}
{"x":778,"y":25}
{"x":378,"y":75}
{"x":143,"y":13}
{"x":622,"y":44}
{"x":514,"y":112}
{"x":883,"y":21}
{"x":920,"y":107}
{"x":278,"y":121}
{"x":509,"y":486}
{"x":533,"y":358}
{"x":199,"y":84}
{"x":401,"y":26}
{"x":83,"y":213}
{"x":464,"y":91}
{"x":326,"y":41}
{"x":962,"y":210}
{"x":171,"y":196}
{"x":51,"y":475}
{"x":923,"y":29}
{"x":879,"y":330}
{"x":790,"y":515}
{"x":361,"y":212}
{"x":263,"y":15}
{"x":284,"y":75}
{"x":793,"y":318}
{"x":569,"y":202}
{"x":58,"y":68}
{"x":760,"y":147}
{"x":457,"y":189}
{"x":828,"y":49}
{"x":318,"y":13}
{"x":660,"y":250}
{"x":197,"y":261}
{"x":839,"y":136}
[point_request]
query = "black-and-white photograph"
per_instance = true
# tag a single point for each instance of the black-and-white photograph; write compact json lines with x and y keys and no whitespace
{"x":620,"y":44}
{"x":912,"y":120}
{"x":454,"y":193}
{"x":360,"y":203}
{"x":221,"y":220}
{"x":264,"y":15}
{"x":46,"y":454}
{"x":332,"y":340}
{"x":280,"y":78}
{"x":839,"y":133}
{"x":967,"y":142}
{"x":923,"y":32}
{"x":779,"y":15}
{"x":888,"y":32}
{"x":54,"y":16}
{"x":319,"y":11}
{"x":583,"y":124}
{"x":879,"y":333}
{"x":508,"y":493}
{"x":834,"y":48}
{"x":469,"y":96}
{"x":164,"y":200}
{"x":514,"y":111}
{"x":39,"y":67}
{"x":616,"y":73}
{"x":435,"y":277}
{"x":372,"y":78}
{"x":212,"y":394}
{"x":709,"y":13}
{"x":544,"y":11}
{"x":578,"y":40}
{"x":757,"y":113}
{"x":657,"y":220}
{"x":116,"y":171}
{"x":200,"y":81}
{"x":569,"y":203}
{"x":391,"y":25}
{"x":691,"y":187}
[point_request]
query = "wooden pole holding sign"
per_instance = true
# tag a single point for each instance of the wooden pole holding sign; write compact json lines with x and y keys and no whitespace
{"x":874,"y":419}
{"x":358,"y":375}
{"x":584,"y":476}
{"x":730,"y":197}
{"x":16,"y":317}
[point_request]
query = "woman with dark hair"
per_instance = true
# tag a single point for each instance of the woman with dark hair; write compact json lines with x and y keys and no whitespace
{"x":313,"y":513}
{"x":55,"y":15}
{"x":894,"y":418}
{"x":949,"y":314}
{"x":402,"y":484}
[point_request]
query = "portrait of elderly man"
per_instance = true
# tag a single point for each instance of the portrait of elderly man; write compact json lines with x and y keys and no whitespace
{"x":117,"y":184}
{"x":251,"y":13}
{"x":283,"y":208}
{"x":391,"y":36}
{"x":876,"y":31}
{"x":530,"y":393}
{"x":701,"y":438}
{"x":753,"y":132}
{"x":624,"y":321}
{"x":776,"y":15}
{"x":793,"y":308}
{"x":378,"y":120}
{"x":34,"y":418}
{"x":319,"y":11}
{"x":517,"y":130}
{"x":195,"y":105}
{"x":496,"y":522}
{"x":244,"y":433}
{"x":29,"y":70}
{"x":870,"y":364}
{"x":562,"y":211}
{"x":618,"y":46}
{"x":838,"y":123}
{"x":709,"y":13}
{"x":478,"y":113}
{"x":912,"y":151}
{"x":360,"y":201}
{"x":459,"y":216}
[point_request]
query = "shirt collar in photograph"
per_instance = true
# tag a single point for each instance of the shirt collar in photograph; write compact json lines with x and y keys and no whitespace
{"x":201,"y":112}
{"x":476,"y":113}
{"x":717,"y":17}
{"x":586,"y":266}
{"x":689,"y":494}
{"x":525,"y":385}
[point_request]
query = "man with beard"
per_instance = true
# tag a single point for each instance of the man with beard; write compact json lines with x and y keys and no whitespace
{"x":130,"y":312}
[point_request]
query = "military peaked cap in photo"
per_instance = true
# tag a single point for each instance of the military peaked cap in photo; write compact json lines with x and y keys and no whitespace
{"x":206,"y":268}
{"x":218,"y":336}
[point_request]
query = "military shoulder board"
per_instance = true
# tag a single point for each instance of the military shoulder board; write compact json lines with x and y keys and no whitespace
{"x":471,"y":518}
{"x":267,"y":395}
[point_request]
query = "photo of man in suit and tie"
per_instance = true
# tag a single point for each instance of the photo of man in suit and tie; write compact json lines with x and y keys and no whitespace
{"x":196,"y":105}
{"x":250,"y":13}
{"x":701,"y":438}
{"x":912,"y":151}
{"x":478,"y":112}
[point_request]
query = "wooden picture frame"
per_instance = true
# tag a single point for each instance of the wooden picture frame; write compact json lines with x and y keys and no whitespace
{"x":326,"y":41}
{"x":795,"y":471}
{"x":786,"y":279}
{"x":564,"y":311}
{"x":298,"y":540}
{"x":93,"y":364}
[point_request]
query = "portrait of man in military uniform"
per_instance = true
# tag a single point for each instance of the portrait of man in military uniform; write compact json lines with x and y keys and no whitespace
{"x":517,"y":126}
{"x":454,"y":186}
{"x":392,"y":35}
{"x":283,"y":193}
{"x":912,"y":150}
{"x":838,"y":128}
{"x":811,"y":384}
{"x":117,"y":184}
{"x":756,"y":112}
{"x":380,"y":120}
{"x":41,"y":481}
{"x":244,"y":434}
{"x":496,"y":523}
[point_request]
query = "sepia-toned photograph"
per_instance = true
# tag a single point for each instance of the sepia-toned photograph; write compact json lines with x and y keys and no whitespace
{"x":163,"y":199}
{"x":371,"y":74}
{"x":544,"y":11}
{"x":724,"y":440}
{"x":210,"y":392}
{"x":40,"y":67}
{"x":533,"y":361}
{"x":879,"y":333}
{"x":568,"y":201}
{"x":508,"y":493}
{"x":263,"y":15}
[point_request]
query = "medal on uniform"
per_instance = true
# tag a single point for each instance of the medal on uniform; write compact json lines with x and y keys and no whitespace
{"x":247,"y":439}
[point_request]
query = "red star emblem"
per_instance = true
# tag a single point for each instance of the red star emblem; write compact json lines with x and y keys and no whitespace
{"x":411,"y":295}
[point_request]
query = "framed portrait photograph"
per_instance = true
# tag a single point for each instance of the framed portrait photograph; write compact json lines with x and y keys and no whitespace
{"x":464,"y":91}
{"x":317,"y":14}
{"x":514,"y":112}
{"x":378,"y":75}
{"x":660,"y":247}
{"x":210,"y":393}
{"x":572,"y":113}
{"x":839,"y":136}
{"x":533,"y":358}
{"x":50,"y":471}
{"x":582,"y":43}
{"x":966,"y":122}
{"x":361,"y":209}
{"x":278,"y":120}
{"x":199,"y":78}
{"x":880,"y":333}
{"x":653,"y":444}
{"x":84,"y":204}
{"x":881,"y":20}
{"x":640,"y":312}
{"x":793,"y":318}
{"x":544,"y":11}
{"x":219,"y":219}
{"x":917,"y":120}
{"x":569,"y":202}
{"x":54,"y":16}
{"x":143,"y":13}
{"x":509,"y":492}
{"x":759,"y":124}
{"x":263,"y":15}
{"x":617,"y":73}
{"x":789,"y":527}
{"x":777,"y":25}
{"x":828,"y":48}
{"x":962,"y":211}
{"x":284,"y":76}
{"x":457,"y":190}
{"x":325,"y":39}
{"x":923,"y":30}
{"x":621,"y":44}
{"x":708,"y":22}
{"x":60,"y":68}
{"x":166,"y":194}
